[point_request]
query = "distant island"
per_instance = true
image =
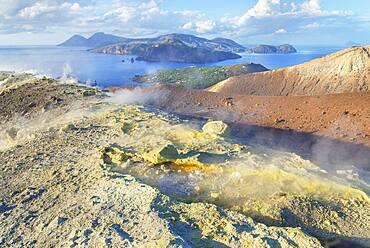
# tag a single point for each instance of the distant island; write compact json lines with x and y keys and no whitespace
{"x":168,"y":50}
{"x":178,"y":48}
{"x":198,"y":77}
{"x":96,"y":40}
{"x":283,"y":49}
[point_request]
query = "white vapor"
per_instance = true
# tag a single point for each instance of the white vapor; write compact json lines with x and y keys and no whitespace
{"x":137,"y":96}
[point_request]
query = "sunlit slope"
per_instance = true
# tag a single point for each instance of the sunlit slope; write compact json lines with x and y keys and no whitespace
{"x":342,"y":72}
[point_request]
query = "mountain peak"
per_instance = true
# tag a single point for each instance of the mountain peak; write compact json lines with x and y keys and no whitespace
{"x":75,"y":40}
{"x":98,"y":34}
{"x":78,"y":36}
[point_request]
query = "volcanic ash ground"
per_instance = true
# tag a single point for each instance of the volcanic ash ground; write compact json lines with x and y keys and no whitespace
{"x":78,"y":169}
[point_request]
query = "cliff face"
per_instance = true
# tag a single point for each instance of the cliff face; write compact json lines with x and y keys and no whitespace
{"x":230,"y":43}
{"x":286,"y":48}
{"x":342,"y":72}
{"x":273,"y":49}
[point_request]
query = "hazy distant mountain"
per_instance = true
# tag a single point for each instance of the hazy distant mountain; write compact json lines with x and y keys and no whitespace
{"x":169,"y":49}
{"x":272,"y":49}
{"x":102,"y":39}
{"x":75,"y":40}
{"x":96,"y":40}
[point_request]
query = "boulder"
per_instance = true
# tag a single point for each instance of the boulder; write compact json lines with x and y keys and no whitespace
{"x":216,"y":128}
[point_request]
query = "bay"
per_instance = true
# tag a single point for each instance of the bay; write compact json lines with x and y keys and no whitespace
{"x":117,"y":70}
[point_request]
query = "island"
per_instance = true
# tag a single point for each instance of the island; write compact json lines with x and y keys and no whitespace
{"x":198,"y":77}
{"x":179,"y":48}
{"x":264,"y":49}
{"x":96,"y":40}
{"x":168,"y":51}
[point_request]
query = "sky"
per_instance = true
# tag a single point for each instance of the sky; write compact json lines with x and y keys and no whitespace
{"x":298,"y":22}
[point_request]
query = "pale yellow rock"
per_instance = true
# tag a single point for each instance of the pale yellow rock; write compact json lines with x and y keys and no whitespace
{"x":67,"y":127}
{"x":216,"y":128}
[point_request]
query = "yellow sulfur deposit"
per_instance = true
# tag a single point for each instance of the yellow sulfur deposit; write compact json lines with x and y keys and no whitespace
{"x":114,"y":155}
{"x":216,"y":128}
{"x":161,"y":155}
{"x":201,"y":164}
{"x":167,"y":155}
{"x":192,"y":181}
{"x":67,"y":127}
{"x":127,"y":127}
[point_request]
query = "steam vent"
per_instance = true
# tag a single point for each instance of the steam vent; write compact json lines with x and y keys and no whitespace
{"x":80,"y":168}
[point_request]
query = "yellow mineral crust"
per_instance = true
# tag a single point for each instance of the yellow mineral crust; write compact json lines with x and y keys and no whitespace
{"x":74,"y":189}
{"x":212,"y":167}
{"x":128,"y":126}
{"x":167,"y":155}
{"x":115,"y":155}
{"x":216,"y":128}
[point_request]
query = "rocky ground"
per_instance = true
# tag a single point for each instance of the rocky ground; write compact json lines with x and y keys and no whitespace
{"x":79,"y":168}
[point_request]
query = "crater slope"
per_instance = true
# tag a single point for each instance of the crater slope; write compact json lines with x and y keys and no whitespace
{"x":79,"y":168}
{"x":342,"y":72}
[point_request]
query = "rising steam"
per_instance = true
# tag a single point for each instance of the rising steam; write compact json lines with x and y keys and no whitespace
{"x":137,"y":96}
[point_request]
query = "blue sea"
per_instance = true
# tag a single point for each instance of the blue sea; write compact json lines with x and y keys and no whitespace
{"x":110,"y":70}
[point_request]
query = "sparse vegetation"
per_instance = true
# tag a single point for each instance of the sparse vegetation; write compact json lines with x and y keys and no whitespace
{"x":199,"y":77}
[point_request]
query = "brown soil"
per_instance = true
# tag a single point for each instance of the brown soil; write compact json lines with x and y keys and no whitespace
{"x":340,"y":121}
{"x":342,"y":72}
{"x":37,"y":97}
{"x":340,"y":116}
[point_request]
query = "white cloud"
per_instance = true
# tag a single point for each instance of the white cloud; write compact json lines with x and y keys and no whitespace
{"x":146,"y":17}
{"x":265,"y":9}
{"x":8,"y":9}
{"x":149,"y":17}
{"x":75,"y":7}
{"x":262,"y":8}
{"x":188,"y":26}
{"x":205,"y":26}
{"x":35,"y":10}
{"x":312,"y":25}
{"x":281,"y":31}
{"x":135,"y":11}
{"x":43,"y":16}
{"x":270,"y":18}
{"x":41,"y":8}
{"x":311,"y":6}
